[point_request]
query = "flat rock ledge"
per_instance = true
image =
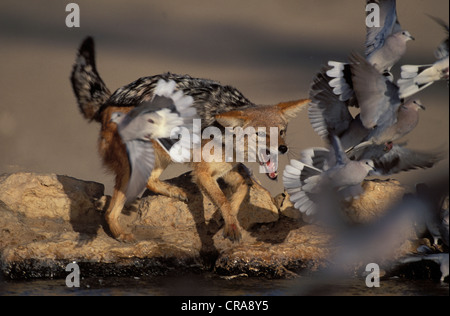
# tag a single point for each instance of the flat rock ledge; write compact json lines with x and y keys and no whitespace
{"x":48,"y":221}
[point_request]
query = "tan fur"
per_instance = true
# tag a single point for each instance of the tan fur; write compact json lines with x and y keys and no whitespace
{"x":205,"y":175}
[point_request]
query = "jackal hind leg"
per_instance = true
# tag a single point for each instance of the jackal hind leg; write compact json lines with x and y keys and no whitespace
{"x":158,"y":186}
{"x":115,"y":209}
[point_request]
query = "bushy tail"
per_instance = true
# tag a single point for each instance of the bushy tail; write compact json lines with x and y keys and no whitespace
{"x":90,"y":90}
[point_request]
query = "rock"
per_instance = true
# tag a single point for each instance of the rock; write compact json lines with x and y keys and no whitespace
{"x":278,"y":251}
{"x":48,"y":221}
{"x":378,"y":197}
{"x":38,"y":196}
{"x":257,"y":207}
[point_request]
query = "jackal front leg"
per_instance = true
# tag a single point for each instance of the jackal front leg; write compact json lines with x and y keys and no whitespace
{"x":239,"y":189}
{"x":209,"y":186}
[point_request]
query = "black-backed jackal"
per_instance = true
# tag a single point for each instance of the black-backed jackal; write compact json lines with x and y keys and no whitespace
{"x":217,"y":105}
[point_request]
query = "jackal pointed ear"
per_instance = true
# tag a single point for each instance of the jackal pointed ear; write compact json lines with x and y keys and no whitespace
{"x":231,"y":119}
{"x":292,"y":108}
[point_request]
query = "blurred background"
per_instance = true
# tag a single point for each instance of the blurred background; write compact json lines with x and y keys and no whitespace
{"x":270,"y":50}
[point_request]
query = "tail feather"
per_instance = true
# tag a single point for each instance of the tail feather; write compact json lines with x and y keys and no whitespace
{"x":409,"y":87}
{"x":181,"y":116}
{"x":183,"y":103}
{"x":300,"y":181}
{"x":303,"y":203}
{"x":411,"y":71}
{"x":415,"y":78}
{"x":90,"y":90}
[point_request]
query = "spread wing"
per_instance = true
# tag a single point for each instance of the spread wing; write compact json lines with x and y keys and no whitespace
{"x":166,"y":115}
{"x":377,"y":96}
{"x":326,"y":112}
{"x":400,"y":158}
{"x":142,"y":160}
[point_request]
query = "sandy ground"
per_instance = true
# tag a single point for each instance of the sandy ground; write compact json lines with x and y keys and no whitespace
{"x":270,"y":50}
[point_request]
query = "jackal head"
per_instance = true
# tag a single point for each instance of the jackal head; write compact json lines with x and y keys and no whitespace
{"x":268,"y":122}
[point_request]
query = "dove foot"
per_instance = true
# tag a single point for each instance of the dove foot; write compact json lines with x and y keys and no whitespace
{"x":388,"y":146}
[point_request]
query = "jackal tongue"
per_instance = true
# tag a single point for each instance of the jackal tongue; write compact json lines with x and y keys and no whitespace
{"x":269,"y":165}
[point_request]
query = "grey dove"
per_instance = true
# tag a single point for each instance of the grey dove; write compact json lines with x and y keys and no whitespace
{"x":415,"y":78}
{"x":382,"y":120}
{"x":442,"y":259}
{"x":307,"y":183}
{"x":159,"y":119}
{"x":436,"y":220}
{"x":382,"y":111}
{"x":384,"y":47}
{"x":397,"y":158}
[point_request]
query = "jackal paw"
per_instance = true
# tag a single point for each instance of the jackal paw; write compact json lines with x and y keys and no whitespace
{"x":126,"y":238}
{"x":232,"y":232}
{"x":182,"y":197}
{"x":177,"y":194}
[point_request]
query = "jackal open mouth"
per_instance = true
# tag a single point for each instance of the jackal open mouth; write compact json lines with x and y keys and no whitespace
{"x":267,"y":161}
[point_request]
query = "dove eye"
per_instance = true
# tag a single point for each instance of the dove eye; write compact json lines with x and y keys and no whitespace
{"x":151,"y":121}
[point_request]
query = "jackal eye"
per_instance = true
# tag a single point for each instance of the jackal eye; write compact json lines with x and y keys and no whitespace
{"x":282,"y":132}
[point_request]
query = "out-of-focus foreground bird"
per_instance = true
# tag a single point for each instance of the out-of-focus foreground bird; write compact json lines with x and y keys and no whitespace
{"x":319,"y":172}
{"x":159,"y":119}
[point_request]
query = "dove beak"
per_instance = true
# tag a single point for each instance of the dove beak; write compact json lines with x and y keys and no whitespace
{"x":412,"y":38}
{"x":420,"y":105}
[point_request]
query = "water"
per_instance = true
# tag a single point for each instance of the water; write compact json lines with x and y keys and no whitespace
{"x":212,"y":285}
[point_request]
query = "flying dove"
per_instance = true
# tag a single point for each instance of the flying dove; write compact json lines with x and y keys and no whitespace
{"x":159,"y":119}
{"x":397,"y":158}
{"x":382,"y":111}
{"x":307,"y":180}
{"x":384,"y":46}
{"x":415,"y":78}
{"x":383,"y":118}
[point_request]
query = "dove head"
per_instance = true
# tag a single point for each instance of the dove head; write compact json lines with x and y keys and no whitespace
{"x":368,"y":165}
{"x":412,"y":105}
{"x":405,"y":36}
{"x":417,"y":105}
{"x":117,"y":117}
